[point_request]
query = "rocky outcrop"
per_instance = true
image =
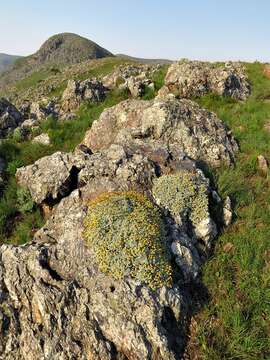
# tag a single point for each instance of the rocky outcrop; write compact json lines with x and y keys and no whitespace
{"x":48,"y":178}
{"x":10,"y":118}
{"x":90,"y":90}
{"x":194,"y":78}
{"x":133,"y":78}
{"x":58,"y":284}
{"x":178,"y":124}
{"x":55,"y":303}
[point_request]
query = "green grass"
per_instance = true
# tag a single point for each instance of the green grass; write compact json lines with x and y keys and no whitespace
{"x":235,"y":323}
{"x":33,"y":79}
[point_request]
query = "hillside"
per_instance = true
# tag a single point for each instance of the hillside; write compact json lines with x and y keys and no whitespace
{"x":144,"y":60}
{"x":58,"y":51}
{"x":161,"y":156}
{"x":7,"y":60}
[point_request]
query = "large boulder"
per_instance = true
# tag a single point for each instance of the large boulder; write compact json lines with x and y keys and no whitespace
{"x":10,"y":118}
{"x":179,"y":124}
{"x":195,"y":78}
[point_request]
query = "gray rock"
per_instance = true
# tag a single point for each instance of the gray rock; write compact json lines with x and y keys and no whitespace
{"x":10,"y":118}
{"x":178,"y":124}
{"x":43,"y":139}
{"x":91,"y":90}
{"x":58,"y":306}
{"x":195,"y":78}
{"x":49,"y":178}
{"x":56,"y":302}
{"x":42,"y":110}
{"x":227,"y":211}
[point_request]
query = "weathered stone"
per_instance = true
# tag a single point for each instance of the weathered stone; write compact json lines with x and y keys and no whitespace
{"x":195,"y":78}
{"x":227,"y":211}
{"x":43,"y":139}
{"x":133,"y":78}
{"x":55,"y":287}
{"x":263,"y":164}
{"x":178,"y":124}
{"x":41,"y":110}
{"x":10,"y":118}
{"x":77,"y":91}
{"x":49,"y":178}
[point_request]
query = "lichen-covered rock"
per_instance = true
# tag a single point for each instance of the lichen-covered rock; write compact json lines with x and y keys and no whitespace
{"x":52,"y":286}
{"x":10,"y":118}
{"x":195,"y":78}
{"x":77,"y":91}
{"x":43,"y":109}
{"x":136,"y":85}
{"x":227,"y":211}
{"x":133,"y":78}
{"x":49,"y":178}
{"x":178,"y":124}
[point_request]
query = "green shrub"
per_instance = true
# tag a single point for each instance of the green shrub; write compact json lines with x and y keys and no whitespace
{"x":24,"y":200}
{"x":183,"y":194}
{"x":126,"y":232}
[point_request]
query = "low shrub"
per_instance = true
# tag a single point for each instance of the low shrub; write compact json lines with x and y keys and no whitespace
{"x":126,"y":232}
{"x":183,"y":194}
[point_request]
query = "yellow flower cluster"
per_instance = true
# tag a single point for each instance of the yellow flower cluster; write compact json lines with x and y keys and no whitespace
{"x":126,"y":232}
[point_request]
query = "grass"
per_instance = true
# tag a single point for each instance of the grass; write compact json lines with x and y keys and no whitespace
{"x":235,"y":323}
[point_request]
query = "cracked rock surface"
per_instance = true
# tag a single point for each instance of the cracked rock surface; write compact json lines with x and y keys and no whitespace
{"x":54,"y":301}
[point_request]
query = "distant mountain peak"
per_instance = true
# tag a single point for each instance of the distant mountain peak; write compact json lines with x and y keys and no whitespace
{"x":59,"y":50}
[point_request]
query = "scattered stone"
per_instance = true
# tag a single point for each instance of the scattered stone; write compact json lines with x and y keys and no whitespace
{"x":10,"y":118}
{"x":267,"y":126}
{"x":227,"y":211}
{"x":195,"y":78}
{"x":263,"y":165}
{"x":43,"y":139}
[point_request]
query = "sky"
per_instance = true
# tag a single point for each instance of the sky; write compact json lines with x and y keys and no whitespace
{"x":172,"y":29}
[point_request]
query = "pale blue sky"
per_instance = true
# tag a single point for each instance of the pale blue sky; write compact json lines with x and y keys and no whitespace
{"x":196,"y":29}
